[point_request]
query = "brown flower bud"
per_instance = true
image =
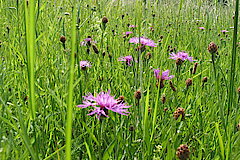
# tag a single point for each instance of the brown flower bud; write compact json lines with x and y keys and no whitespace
{"x":165,"y":109}
{"x":238,"y":127}
{"x":172,"y":86}
{"x":148,"y":55}
{"x":183,"y":152}
{"x":104,"y":20}
{"x":95,"y":49}
{"x":120,"y":100}
{"x":205,"y":79}
{"x":63,"y":39}
{"x":212,"y":48}
{"x":238,"y":90}
{"x":138,"y":94}
{"x":195,"y":68}
{"x":179,"y":112}
{"x":163,"y":99}
{"x":188,"y":82}
{"x":131,"y":128}
{"x":179,"y":61}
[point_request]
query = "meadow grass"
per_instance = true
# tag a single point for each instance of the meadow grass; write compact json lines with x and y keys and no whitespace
{"x":42,"y":81}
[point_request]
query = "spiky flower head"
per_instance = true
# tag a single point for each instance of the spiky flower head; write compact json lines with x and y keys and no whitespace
{"x":183,"y":152}
{"x":102,"y":103}
{"x":162,"y":76}
{"x":182,"y":56}
{"x":127,"y":59}
{"x":143,"y":40}
{"x":85,"y":64}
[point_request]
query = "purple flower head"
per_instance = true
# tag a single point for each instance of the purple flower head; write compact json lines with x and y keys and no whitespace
{"x":132,"y":26}
{"x":87,"y":41}
{"x":85,"y":64}
{"x":163,"y":76}
{"x":143,"y":40}
{"x":224,"y":31}
{"x":126,"y":59}
{"x":202,"y":28}
{"x":103,"y":102}
{"x":127,"y":33}
{"x":181,"y":55}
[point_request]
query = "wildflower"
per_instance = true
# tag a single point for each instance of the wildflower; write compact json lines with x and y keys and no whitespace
{"x":84,"y":65}
{"x":63,"y":39}
{"x":87,"y":41}
{"x":202,"y":28}
{"x":212,"y":48}
{"x":103,"y":102}
{"x":188,"y":82}
{"x":126,"y":34}
{"x":143,"y":40}
{"x":138,"y":95}
{"x":205,"y":79}
{"x":179,"y":112}
{"x":129,"y":32}
{"x":195,"y":68}
{"x":182,"y":56}
{"x":163,"y":98}
{"x":224,"y":31}
{"x":126,"y":59}
{"x":164,"y":75}
{"x":132,"y":26}
{"x":183,"y":152}
{"x":104,"y":20}
{"x":238,"y":127}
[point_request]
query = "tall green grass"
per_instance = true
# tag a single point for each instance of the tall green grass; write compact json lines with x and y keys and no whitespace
{"x":54,"y":129}
{"x":71,"y":87}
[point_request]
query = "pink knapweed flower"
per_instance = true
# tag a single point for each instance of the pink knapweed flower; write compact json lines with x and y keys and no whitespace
{"x":127,"y":33}
{"x":224,"y":31}
{"x":164,"y":76}
{"x":87,"y":41}
{"x":181,"y":55}
{"x":132,"y":26}
{"x":126,"y":59}
{"x":202,"y":28}
{"x":143,"y":40}
{"x":85,"y":64}
{"x":103,"y":102}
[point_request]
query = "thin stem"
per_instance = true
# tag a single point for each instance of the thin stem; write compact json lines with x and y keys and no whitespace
{"x":70,"y":88}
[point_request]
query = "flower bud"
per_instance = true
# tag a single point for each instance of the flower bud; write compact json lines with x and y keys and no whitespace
{"x":212,"y":48}
{"x":183,"y":152}
{"x":179,"y":112}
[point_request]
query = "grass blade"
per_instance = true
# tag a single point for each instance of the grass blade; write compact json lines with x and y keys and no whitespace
{"x":70,"y":88}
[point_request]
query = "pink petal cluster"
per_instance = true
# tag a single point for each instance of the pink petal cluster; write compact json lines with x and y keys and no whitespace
{"x":181,"y":55}
{"x":202,"y":28}
{"x":85,"y":64}
{"x":126,"y":59}
{"x":87,"y":41}
{"x":224,"y":31}
{"x":131,"y":26}
{"x":103,"y":102}
{"x":143,"y":40}
{"x":164,"y":76}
